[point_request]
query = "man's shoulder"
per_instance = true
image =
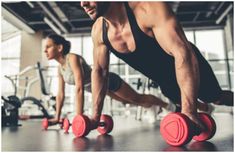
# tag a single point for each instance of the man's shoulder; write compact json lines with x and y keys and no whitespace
{"x":97,"y":27}
{"x":96,"y":32}
{"x":150,"y":14}
{"x":146,"y":6}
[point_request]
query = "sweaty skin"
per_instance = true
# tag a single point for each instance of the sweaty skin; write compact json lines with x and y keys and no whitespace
{"x":160,"y":24}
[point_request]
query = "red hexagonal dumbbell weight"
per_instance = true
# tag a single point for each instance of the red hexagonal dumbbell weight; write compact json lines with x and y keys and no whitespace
{"x":177,"y":129}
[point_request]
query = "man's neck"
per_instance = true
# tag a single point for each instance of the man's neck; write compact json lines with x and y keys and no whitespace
{"x":116,"y":14}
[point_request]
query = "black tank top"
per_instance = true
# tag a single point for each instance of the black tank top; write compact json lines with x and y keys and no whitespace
{"x":148,"y":57}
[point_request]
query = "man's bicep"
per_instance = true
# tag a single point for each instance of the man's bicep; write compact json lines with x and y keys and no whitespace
{"x":101,"y":57}
{"x":100,"y":51}
{"x":171,"y":37}
{"x":165,"y":27}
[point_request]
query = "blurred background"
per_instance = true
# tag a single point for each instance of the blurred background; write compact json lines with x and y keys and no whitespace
{"x":25,"y":71}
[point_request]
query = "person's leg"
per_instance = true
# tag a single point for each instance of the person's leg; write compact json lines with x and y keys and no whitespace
{"x":128,"y":95}
{"x":202,"y":106}
{"x":121,"y":91}
{"x":226,"y":98}
{"x":113,"y":96}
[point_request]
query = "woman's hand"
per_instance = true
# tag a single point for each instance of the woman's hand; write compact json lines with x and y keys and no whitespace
{"x":54,"y":121}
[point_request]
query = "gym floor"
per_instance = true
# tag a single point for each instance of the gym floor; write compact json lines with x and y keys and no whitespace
{"x":127,"y":135}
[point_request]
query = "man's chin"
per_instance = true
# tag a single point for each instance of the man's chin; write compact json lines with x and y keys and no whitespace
{"x":93,"y":17}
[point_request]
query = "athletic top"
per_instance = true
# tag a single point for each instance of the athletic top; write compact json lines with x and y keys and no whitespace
{"x":149,"y":58}
{"x":67,"y":72}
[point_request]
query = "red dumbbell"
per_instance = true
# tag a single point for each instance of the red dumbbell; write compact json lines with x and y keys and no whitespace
{"x":81,"y":121}
{"x":81,"y":125}
{"x":105,"y":124}
{"x":66,"y":125}
{"x":46,"y":123}
{"x":177,"y":129}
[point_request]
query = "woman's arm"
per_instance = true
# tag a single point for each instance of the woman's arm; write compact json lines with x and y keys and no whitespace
{"x":79,"y":81}
{"x":60,"y":96}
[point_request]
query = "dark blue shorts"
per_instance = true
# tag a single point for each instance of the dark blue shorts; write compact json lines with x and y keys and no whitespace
{"x":114,"y":84}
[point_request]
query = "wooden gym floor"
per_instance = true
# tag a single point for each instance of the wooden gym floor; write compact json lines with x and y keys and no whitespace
{"x":127,"y":135}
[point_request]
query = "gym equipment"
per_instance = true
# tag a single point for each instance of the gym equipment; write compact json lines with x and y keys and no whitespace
{"x":138,"y":83}
{"x":150,"y":84}
{"x":210,"y":128}
{"x":45,"y":92}
{"x":40,"y":107}
{"x":10,"y":110}
{"x":14,"y":79}
{"x":177,"y":129}
{"x":105,"y":125}
{"x":46,"y":123}
{"x":67,"y":124}
{"x":81,"y":125}
{"x":146,"y":85}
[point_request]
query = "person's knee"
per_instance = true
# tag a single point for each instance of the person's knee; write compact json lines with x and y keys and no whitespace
{"x":226,"y":98}
{"x":137,"y":98}
{"x":228,"y":93}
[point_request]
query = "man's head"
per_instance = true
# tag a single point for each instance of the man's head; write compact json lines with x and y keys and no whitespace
{"x":95,"y":9}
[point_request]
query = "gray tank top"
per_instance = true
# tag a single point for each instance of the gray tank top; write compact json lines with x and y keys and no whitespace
{"x":67,"y":72}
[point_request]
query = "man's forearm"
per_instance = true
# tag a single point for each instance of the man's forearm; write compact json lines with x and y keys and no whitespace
{"x":188,"y":77}
{"x":99,"y":88}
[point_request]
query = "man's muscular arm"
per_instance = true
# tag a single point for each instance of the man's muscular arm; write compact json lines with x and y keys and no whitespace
{"x":99,"y":71}
{"x":169,"y":34}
